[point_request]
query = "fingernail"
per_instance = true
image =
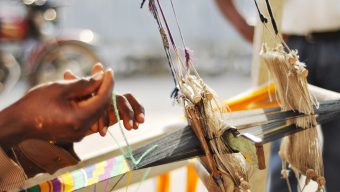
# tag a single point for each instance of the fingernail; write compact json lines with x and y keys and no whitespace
{"x":110,"y":71}
{"x":141,"y":116}
{"x":99,"y":64}
{"x":98,"y":76}
{"x":131,"y":123}
{"x":103,"y":131}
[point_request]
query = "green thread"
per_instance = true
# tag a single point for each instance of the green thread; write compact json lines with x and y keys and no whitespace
{"x":148,"y":151}
{"x":117,"y":143}
{"x":127,"y":154}
{"x":145,"y":175}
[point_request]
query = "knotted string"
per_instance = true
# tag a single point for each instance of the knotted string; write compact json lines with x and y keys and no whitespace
{"x":166,"y":47}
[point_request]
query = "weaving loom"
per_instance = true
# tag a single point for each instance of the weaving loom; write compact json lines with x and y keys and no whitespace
{"x":179,"y":145}
{"x":229,"y":152}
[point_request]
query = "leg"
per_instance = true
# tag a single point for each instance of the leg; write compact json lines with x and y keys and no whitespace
{"x":275,"y":181}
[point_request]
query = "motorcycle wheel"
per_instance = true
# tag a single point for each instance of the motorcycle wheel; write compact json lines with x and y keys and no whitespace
{"x":72,"y":55}
{"x":9,"y":72}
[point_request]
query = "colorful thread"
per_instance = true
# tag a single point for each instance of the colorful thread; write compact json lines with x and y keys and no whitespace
{"x":128,"y":154}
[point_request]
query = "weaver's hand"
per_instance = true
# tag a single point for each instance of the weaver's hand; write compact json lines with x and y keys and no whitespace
{"x":61,"y":111}
{"x":129,"y":108}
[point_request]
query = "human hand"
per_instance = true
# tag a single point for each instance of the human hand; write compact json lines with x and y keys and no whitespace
{"x":131,"y":112}
{"x":61,"y":111}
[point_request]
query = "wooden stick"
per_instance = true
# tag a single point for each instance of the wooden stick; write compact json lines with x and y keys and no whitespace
{"x":197,"y":127}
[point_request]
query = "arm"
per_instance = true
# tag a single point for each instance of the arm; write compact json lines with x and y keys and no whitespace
{"x":230,"y":12}
{"x":57,"y":111}
{"x":69,"y":110}
{"x":11,"y":130}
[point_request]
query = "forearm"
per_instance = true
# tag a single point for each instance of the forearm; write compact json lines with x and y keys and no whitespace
{"x":11,"y":129}
{"x":230,"y":12}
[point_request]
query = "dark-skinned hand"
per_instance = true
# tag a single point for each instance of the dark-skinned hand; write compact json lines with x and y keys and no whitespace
{"x":131,"y":112}
{"x":54,"y":111}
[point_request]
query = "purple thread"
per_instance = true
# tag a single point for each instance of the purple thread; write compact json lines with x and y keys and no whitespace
{"x":167,"y":26}
{"x":94,"y":188}
{"x":56,"y":185}
{"x":188,"y":57}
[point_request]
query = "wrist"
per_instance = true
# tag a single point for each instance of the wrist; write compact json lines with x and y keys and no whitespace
{"x":12,"y":129}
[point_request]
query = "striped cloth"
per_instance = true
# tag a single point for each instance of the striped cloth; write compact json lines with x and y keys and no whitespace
{"x":11,"y":174}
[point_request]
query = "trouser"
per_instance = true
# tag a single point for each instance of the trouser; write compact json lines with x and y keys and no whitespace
{"x":321,"y":53}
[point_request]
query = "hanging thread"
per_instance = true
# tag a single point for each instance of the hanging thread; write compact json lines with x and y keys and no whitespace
{"x":272,"y":17}
{"x":262,"y":18}
{"x":127,"y":154}
{"x":142,"y":4}
{"x":166,"y":47}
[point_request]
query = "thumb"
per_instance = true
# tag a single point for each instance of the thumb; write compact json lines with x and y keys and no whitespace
{"x":98,"y":103}
{"x":68,"y":75}
{"x":85,"y":87}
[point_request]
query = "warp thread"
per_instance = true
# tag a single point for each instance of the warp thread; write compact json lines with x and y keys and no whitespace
{"x":301,"y":150}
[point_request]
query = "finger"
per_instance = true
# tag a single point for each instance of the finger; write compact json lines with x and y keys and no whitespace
{"x":92,"y":130}
{"x":106,"y":121}
{"x":94,"y":106}
{"x":95,"y":127}
{"x":107,"y":116}
{"x":84,"y":87}
{"x":138,"y":109}
{"x":69,"y":75}
{"x":103,"y":131}
{"x":101,"y":127}
{"x":135,"y":125}
{"x":97,"y":68}
{"x":112,"y":115}
{"x":125,"y":112}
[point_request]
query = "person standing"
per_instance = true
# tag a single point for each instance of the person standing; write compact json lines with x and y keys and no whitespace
{"x":313,"y":28}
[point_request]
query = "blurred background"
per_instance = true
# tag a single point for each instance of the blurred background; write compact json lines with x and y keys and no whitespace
{"x":39,"y":40}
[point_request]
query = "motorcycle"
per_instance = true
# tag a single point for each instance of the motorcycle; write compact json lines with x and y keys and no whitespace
{"x":34,"y":45}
